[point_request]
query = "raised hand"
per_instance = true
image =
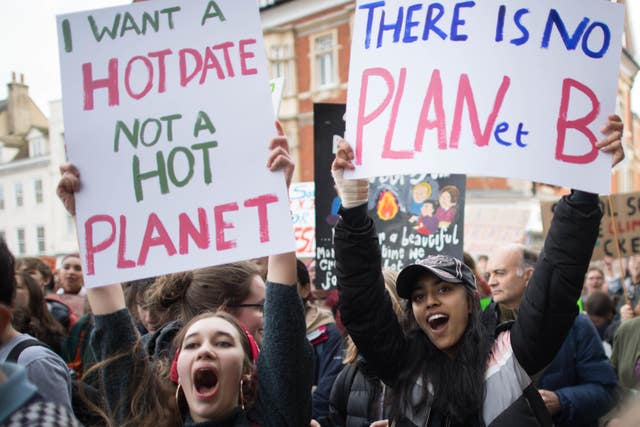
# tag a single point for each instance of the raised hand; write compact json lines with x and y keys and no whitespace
{"x":612,"y":142}
{"x":352,"y":192}
{"x":279,"y":158}
{"x":68,"y":185}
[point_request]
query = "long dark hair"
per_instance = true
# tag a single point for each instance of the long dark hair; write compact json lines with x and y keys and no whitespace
{"x":456,"y":386}
{"x":36,"y":320}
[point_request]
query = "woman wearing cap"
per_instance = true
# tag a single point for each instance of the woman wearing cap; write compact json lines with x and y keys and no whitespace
{"x":212,"y":380}
{"x":456,"y":367}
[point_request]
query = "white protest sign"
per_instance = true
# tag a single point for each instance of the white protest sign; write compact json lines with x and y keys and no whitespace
{"x":303,"y":213}
{"x":168,"y":117}
{"x":512,"y":89}
{"x":277,"y":89}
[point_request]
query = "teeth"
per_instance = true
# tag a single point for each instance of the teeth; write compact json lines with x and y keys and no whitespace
{"x":436,"y":316}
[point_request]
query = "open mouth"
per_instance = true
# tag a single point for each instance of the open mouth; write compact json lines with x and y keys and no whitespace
{"x":437,"y":322}
{"x":205,"y":381}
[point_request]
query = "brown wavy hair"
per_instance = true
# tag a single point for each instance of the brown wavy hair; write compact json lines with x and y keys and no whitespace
{"x":182,"y":296}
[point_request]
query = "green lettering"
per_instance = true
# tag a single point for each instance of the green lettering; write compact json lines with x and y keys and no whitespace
{"x":129,"y":24}
{"x":154,"y":21}
{"x":169,"y":120}
{"x":203,"y":122}
{"x":131,"y":135}
{"x":205,"y":146}
{"x":99,"y":34}
{"x":213,"y":10}
{"x":138,"y":176}
{"x":144,"y":131}
{"x":169,"y":11}
{"x":190,"y":161}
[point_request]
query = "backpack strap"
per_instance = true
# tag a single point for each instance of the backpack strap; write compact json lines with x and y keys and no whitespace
{"x":18,"y":349}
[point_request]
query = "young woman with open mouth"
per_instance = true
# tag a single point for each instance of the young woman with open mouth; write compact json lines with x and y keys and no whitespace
{"x":212,"y":380}
{"x":457,"y":366}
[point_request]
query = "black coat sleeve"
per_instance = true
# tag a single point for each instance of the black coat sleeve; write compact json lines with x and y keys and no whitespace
{"x":548,"y":307}
{"x":365,"y":308}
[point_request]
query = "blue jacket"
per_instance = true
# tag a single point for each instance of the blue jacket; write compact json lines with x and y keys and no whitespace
{"x":328,"y":364}
{"x":582,"y":377}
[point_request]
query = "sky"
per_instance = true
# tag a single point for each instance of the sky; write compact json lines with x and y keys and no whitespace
{"x":29,"y":44}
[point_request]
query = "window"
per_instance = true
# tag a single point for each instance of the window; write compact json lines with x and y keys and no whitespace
{"x":19,"y":194}
{"x":41,"y":240}
{"x":325,"y":60}
{"x":37,"y":184}
{"x":1,"y":197}
{"x":36,"y":147}
{"x":281,"y":66}
{"x":22,"y":249}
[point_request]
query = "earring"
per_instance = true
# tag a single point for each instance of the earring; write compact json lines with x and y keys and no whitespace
{"x":178,"y":394}
{"x":241,"y":394}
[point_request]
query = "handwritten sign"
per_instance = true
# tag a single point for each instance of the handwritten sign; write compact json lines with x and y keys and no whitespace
{"x":486,"y":88}
{"x":487,"y":228}
{"x":624,"y":221}
{"x":303,"y":214}
{"x":168,"y":115}
{"x":277,"y":89}
{"x":415,"y":215}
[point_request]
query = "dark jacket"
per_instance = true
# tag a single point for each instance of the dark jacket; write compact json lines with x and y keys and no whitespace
{"x":285,"y":364}
{"x":582,"y":377}
{"x":546,"y":314}
{"x":357,"y":398}
{"x":327,"y":348}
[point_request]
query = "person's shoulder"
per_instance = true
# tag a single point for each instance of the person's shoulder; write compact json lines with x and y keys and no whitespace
{"x":39,"y":353}
{"x":631,"y":326}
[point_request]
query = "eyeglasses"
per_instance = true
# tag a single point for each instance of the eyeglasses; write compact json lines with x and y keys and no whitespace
{"x":259,"y":306}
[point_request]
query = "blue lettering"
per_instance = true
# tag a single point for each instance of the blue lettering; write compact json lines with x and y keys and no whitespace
{"x":570,"y":42}
{"x":430,"y":23}
{"x":500,"y":24}
{"x":501,"y":128}
{"x":371,"y":7}
{"x":525,"y":33}
{"x":396,"y":27}
{"x":408,"y":38}
{"x":605,"y":43}
{"x":504,"y":127}
{"x":519,"y":134}
{"x":457,"y":22}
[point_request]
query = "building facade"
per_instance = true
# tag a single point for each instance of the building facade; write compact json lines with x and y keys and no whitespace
{"x":32,"y":219}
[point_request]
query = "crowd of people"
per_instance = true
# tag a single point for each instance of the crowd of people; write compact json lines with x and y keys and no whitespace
{"x":254,"y":343}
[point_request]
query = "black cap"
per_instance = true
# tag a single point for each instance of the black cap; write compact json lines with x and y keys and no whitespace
{"x":445,"y":267}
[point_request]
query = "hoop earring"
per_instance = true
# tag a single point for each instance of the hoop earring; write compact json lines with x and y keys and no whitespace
{"x":178,"y":394}
{"x":241,"y":394}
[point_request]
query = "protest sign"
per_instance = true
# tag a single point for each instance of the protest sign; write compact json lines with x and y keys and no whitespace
{"x":277,"y":89}
{"x":487,"y":228}
{"x":303,"y":214}
{"x":485,"y":88}
{"x":625,"y":217}
{"x":415,"y":215}
{"x":168,"y":116}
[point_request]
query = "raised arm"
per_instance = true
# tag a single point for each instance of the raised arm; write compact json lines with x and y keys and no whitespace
{"x":365,"y":307}
{"x":114,"y":332}
{"x":548,"y":307}
{"x":285,"y":364}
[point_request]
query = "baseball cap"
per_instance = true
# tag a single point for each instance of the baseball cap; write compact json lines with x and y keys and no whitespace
{"x":445,"y":267}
